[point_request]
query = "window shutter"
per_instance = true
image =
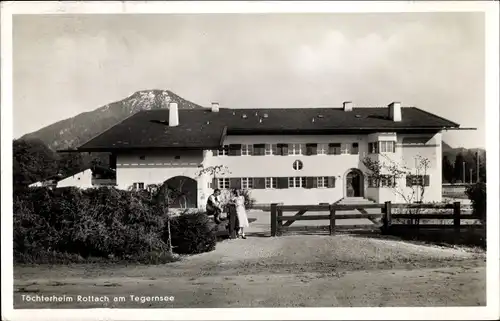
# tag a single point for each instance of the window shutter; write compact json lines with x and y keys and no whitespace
{"x":331,"y":182}
{"x":214,"y":183}
{"x":309,"y":182}
{"x":426,"y":180}
{"x":354,"y":149}
{"x":259,"y":149}
{"x":408,"y":180}
{"x":259,"y":182}
{"x":284,"y":149}
{"x":235,"y":150}
{"x":311,"y":149}
{"x":279,"y":149}
{"x":235,"y":182}
{"x":282,"y":182}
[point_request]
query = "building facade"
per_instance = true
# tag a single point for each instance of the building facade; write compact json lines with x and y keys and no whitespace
{"x":290,"y":156}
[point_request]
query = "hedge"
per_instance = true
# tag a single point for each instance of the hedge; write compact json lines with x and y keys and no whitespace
{"x":477,"y":195}
{"x":102,"y":223}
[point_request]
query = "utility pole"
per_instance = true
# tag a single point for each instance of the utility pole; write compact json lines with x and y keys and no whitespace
{"x":463,"y":172}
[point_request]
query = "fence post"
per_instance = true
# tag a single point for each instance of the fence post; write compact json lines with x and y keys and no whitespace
{"x":456,"y":216}
{"x":332,"y":219}
{"x":279,"y":222}
{"x":274,"y":218}
{"x":386,"y":219}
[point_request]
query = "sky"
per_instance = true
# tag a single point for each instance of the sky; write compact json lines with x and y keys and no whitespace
{"x":68,"y":64}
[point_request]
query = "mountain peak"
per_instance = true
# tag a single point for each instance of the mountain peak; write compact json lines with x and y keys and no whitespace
{"x":155,"y":99}
{"x":73,"y":131}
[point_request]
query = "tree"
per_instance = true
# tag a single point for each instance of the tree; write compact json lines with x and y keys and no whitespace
{"x":71,"y":163}
{"x":32,"y":161}
{"x":389,"y":173}
{"x":458,"y":172}
{"x":214,"y":171}
{"x":447,"y":169}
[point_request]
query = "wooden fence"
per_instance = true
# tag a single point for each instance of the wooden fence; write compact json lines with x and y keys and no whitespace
{"x":280,"y":221}
{"x":233,"y":222}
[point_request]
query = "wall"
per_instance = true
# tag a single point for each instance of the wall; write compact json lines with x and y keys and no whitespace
{"x":81,"y":180}
{"x":160,"y":166}
{"x":432,"y":151}
{"x":157,"y":167}
{"x":281,"y":166}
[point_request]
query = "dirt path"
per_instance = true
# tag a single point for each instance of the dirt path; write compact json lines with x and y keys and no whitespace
{"x":300,"y":270}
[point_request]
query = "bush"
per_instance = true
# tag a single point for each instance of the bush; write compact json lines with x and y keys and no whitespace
{"x":477,"y":195}
{"x":67,"y":223}
{"x":192,"y":233}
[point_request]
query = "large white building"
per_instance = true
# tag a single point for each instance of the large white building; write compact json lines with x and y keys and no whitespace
{"x":290,"y":156}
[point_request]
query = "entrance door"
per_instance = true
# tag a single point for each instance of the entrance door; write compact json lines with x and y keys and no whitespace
{"x":353,"y":184}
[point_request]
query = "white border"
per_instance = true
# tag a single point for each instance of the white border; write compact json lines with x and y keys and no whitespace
{"x":492,"y":118}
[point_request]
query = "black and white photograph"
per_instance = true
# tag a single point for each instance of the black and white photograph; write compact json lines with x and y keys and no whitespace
{"x":190,"y":160}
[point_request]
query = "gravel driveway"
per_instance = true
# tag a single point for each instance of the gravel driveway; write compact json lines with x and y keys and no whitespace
{"x":291,"y":270}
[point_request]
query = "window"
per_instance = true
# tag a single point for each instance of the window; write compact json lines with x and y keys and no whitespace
{"x":271,"y":149}
{"x":223,"y":183}
{"x":345,"y":149}
{"x":138,"y":186}
{"x":271,"y":182}
{"x":322,"y":149}
{"x":142,"y":157}
{"x":246,"y":183}
{"x":382,"y":147}
{"x":294,"y":149}
{"x":177,"y":157}
{"x":246,"y":150}
{"x":334,"y":149}
{"x":387,"y":147}
{"x":296,"y":182}
{"x":223,"y":151}
{"x":387,"y":181}
{"x":417,"y":180}
{"x":373,"y":148}
{"x":297,"y":165}
{"x":382,"y":181}
{"x":322,"y":182}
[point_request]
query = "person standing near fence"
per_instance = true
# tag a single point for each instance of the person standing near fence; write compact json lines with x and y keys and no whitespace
{"x":239,"y":201}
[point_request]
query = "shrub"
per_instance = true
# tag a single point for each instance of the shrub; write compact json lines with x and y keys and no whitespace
{"x":192,"y":233}
{"x":67,"y":223}
{"x":477,"y":195}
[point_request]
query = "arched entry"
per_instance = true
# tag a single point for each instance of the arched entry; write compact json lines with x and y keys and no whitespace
{"x":183,"y":192}
{"x":354,"y":183}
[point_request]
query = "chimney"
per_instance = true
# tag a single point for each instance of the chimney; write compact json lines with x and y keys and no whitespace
{"x":173,"y":115}
{"x":395,"y":111}
{"x":348,"y":105}
{"x":215,"y":107}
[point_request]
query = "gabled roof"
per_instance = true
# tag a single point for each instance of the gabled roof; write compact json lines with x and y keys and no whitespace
{"x":204,"y":129}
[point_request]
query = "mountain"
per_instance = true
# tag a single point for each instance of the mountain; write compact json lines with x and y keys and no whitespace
{"x":452,"y":153}
{"x":72,"y":132}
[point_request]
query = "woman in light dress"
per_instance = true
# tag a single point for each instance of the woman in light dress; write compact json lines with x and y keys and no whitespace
{"x":239,"y":200}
